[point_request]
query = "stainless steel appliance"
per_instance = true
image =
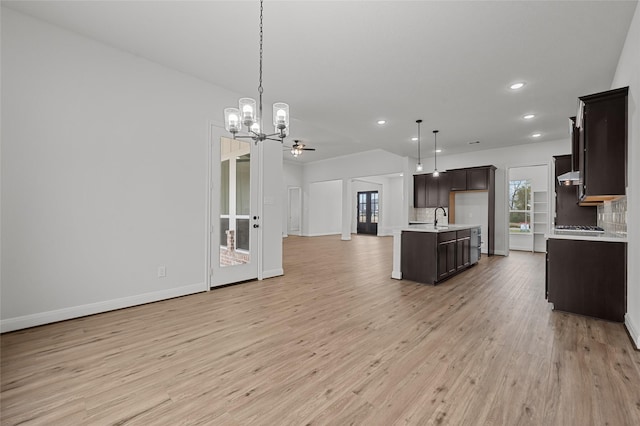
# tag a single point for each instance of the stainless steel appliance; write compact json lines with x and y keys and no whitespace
{"x":476,"y":243}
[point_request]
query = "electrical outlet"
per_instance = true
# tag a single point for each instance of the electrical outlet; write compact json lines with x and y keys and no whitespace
{"x":162,"y":271}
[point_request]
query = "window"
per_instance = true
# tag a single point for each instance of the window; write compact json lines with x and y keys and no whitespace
{"x":520,"y":206}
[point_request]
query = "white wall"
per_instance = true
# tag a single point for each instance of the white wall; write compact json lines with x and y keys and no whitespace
{"x":104,"y":177}
{"x":628,"y":74}
{"x":324,"y":209}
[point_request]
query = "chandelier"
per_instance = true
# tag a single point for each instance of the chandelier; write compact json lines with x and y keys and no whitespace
{"x":246,"y":117}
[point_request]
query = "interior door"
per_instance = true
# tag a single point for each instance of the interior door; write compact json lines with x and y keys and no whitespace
{"x":368,"y":212}
{"x":234,"y":218}
{"x":295,"y":207}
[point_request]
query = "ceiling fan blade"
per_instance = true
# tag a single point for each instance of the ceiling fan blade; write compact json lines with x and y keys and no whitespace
{"x":308,"y":149}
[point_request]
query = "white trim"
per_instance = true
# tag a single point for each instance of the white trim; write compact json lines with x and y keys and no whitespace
{"x":33,"y":320}
{"x":322,"y":234}
{"x":633,"y":330}
{"x":499,"y":253}
{"x":272,"y":273}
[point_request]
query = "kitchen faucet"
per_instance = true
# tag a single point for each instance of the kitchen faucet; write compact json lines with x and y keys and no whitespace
{"x":435,"y":215}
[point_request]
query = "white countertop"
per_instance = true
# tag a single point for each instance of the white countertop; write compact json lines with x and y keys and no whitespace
{"x":428,"y":227}
{"x":587,"y":236}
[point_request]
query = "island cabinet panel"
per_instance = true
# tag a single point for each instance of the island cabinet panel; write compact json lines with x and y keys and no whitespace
{"x":446,"y":254}
{"x":587,"y":277}
{"x":463,"y":248}
{"x":418,"y":256}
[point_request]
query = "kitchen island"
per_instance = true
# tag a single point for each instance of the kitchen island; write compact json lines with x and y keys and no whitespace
{"x":430,"y":254}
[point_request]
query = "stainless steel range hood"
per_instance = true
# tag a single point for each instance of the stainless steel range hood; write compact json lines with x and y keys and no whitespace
{"x":569,"y":178}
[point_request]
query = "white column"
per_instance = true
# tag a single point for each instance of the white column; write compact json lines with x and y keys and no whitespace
{"x":396,"y":272}
{"x":347,"y":209}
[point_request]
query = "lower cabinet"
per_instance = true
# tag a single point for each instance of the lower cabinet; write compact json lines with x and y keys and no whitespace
{"x":431,"y":257}
{"x":587,"y":277}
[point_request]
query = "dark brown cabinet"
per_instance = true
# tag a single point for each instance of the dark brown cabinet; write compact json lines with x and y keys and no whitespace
{"x":446,"y":254}
{"x":458,"y":180}
{"x":420,"y":191}
{"x":431,"y":257}
{"x":430,"y":191}
{"x":587,"y":277}
{"x":463,"y":248}
{"x":568,"y":211}
{"x":602,"y":146}
{"x":477,"y":179}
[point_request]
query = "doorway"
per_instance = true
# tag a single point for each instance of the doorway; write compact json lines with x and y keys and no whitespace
{"x":233,"y":242}
{"x":295,"y":208}
{"x":368,"y":212}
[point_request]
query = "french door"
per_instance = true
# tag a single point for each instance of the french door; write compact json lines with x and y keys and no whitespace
{"x":368,"y":212}
{"x":233,"y":242}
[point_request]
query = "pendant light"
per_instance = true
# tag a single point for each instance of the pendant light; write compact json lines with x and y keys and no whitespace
{"x":419,"y":165}
{"x":436,"y":173}
{"x":250,"y":117}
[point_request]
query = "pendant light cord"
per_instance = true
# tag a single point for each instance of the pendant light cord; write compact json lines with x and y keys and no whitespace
{"x":419,"y":156}
{"x":260,"y":73}
{"x":435,"y":149}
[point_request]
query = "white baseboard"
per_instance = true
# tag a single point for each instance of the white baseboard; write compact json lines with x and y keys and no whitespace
{"x":272,"y":273}
{"x":633,"y":329}
{"x":32,"y":320}
{"x":499,"y":252}
{"x":322,"y":234}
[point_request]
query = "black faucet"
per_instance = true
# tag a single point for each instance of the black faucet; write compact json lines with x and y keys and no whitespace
{"x":435,"y":215}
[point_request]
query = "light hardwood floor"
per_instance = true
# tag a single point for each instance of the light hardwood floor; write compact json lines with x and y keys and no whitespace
{"x":334,"y":341}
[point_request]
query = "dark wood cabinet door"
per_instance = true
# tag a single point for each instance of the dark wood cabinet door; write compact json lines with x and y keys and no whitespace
{"x":444,"y":188}
{"x":419,"y":191}
{"x":458,"y":180}
{"x":432,"y":190}
{"x":477,"y":179}
{"x":587,"y":277}
{"x":605,"y":143}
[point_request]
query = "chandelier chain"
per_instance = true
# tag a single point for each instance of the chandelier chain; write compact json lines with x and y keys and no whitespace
{"x":260,"y":73}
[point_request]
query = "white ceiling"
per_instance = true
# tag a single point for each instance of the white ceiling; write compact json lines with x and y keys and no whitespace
{"x":343,"y":65}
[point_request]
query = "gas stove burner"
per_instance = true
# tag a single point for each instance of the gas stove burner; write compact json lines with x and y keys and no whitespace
{"x":582,"y":228}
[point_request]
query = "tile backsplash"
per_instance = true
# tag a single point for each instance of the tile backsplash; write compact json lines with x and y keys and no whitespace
{"x":427,"y":215}
{"x":612,"y":216}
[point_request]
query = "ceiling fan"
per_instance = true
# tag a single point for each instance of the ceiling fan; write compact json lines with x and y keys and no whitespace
{"x":298,"y":147}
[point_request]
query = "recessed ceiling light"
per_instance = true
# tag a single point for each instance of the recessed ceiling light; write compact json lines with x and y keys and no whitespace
{"x":536,"y":135}
{"x":528,"y":116}
{"x":414,"y":139}
{"x":381,"y":122}
{"x":516,"y":86}
{"x":438,"y":151}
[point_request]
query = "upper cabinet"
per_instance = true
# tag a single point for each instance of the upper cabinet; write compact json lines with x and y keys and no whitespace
{"x":431,"y":191}
{"x":602,"y":146}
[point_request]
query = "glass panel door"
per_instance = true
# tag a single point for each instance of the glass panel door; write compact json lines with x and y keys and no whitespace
{"x":234,"y":219}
